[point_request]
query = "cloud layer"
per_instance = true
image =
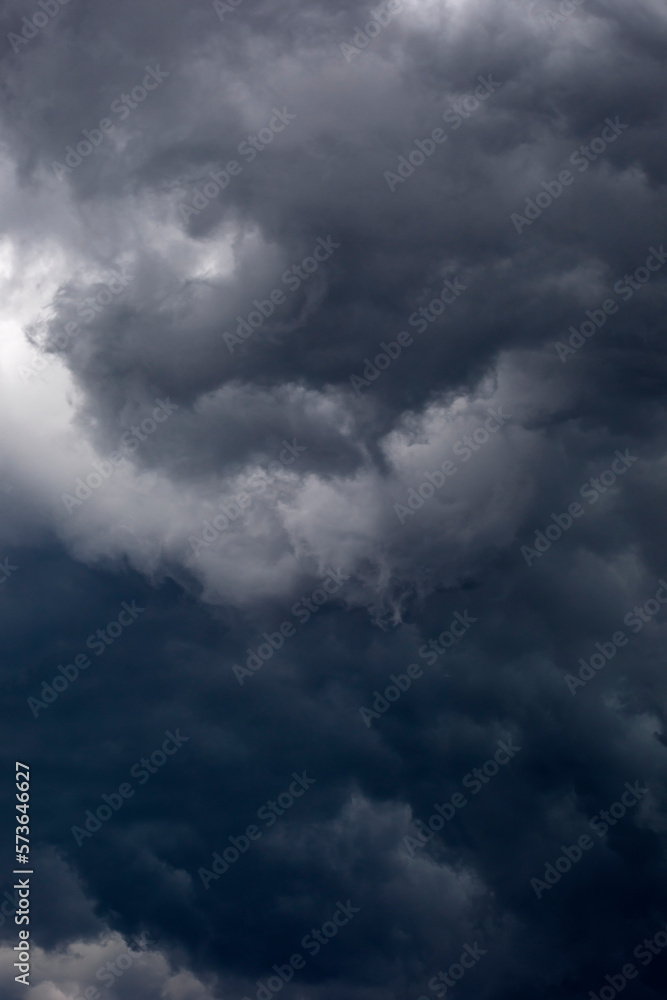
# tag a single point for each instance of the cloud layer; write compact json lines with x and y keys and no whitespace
{"x":324,"y":329}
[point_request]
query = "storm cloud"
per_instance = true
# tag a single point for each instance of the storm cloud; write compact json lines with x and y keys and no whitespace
{"x":332,"y":482}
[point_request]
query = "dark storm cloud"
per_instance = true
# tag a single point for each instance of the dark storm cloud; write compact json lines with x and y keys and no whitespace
{"x":343,"y":171}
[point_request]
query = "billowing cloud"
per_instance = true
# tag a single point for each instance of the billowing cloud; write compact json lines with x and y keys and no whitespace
{"x":332,"y":380}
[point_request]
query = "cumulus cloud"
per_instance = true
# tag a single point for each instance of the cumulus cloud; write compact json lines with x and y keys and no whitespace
{"x":325,"y":291}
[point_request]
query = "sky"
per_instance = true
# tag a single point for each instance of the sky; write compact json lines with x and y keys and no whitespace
{"x":333,"y":562}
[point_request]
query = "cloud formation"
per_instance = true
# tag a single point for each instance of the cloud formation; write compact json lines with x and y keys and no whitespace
{"x":309,"y":291}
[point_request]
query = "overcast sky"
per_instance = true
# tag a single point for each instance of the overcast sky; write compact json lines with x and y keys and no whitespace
{"x":332,"y":379}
